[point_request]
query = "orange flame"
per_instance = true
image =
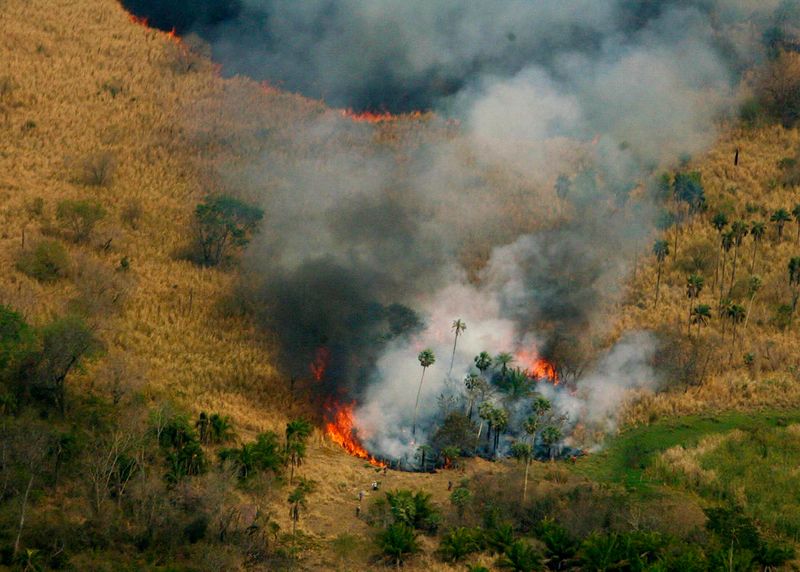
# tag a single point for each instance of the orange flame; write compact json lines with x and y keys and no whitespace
{"x":141,"y":21}
{"x":380,"y":117}
{"x":340,"y":431}
{"x":320,"y":363}
{"x":536,"y":366}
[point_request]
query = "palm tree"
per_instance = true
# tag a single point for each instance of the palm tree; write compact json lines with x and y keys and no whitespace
{"x":297,"y":500}
{"x":720,"y":221}
{"x":486,"y":413}
{"x":398,"y":541}
{"x":458,"y":327}
{"x":700,"y":315}
{"x":504,"y":359}
{"x":794,"y":280}
{"x":523,"y":452}
{"x":500,"y":424}
{"x":661,"y":250}
{"x":736,"y":314}
{"x":727,"y":244}
{"x":426,"y":359}
{"x":780,"y":217}
{"x":483,"y":361}
{"x":753,"y":287}
{"x":694,"y":285}
{"x":541,"y":407}
{"x":739,"y":230}
{"x":297,"y":432}
{"x":476,"y":387}
{"x":757,"y":231}
{"x":550,"y":436}
{"x":521,"y":557}
{"x":796,"y":214}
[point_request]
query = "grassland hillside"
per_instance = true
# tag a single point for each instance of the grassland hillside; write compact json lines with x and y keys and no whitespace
{"x":135,"y":126}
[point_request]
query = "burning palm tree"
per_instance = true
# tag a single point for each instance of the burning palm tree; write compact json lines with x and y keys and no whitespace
{"x":426,"y":359}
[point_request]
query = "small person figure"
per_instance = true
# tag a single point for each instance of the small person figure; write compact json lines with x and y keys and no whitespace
{"x":449,"y":485}
{"x":374,"y":485}
{"x":384,"y":470}
{"x":358,"y":511}
{"x":360,"y":496}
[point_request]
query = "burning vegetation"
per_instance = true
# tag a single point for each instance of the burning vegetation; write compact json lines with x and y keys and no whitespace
{"x":341,"y":430}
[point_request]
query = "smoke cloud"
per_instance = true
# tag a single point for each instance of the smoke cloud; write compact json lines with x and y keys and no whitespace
{"x":371,"y":249}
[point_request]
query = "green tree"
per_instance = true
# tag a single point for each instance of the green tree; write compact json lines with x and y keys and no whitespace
{"x":297,"y":432}
{"x":17,"y":344}
{"x":65,"y":343}
{"x":794,"y":279}
{"x":298,"y":499}
{"x":48,"y":261}
{"x":426,"y":359}
{"x":541,"y":408}
{"x":559,"y":543}
{"x":739,"y":230}
{"x":224,"y":223}
{"x":780,"y":217}
{"x":694,"y":285}
{"x":661,"y":251}
{"x":523,"y":452}
{"x":460,"y":498}
{"x":753,"y":286}
{"x":397,"y":542}
{"x":264,"y":454}
{"x":550,"y":436}
{"x":688,"y":187}
{"x":499,"y":424}
{"x":483,"y":361}
{"x":458,"y":327}
{"x":735,"y":314}
{"x":424,"y":453}
{"x":700,"y":315}
{"x":459,"y":543}
{"x":477,"y":388}
{"x":521,"y":557}
{"x":486,"y":412}
{"x":504,"y":359}
{"x":757,"y":231}
{"x":79,"y":217}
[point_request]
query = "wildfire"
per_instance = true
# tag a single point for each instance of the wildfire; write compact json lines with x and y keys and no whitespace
{"x":320,"y":363}
{"x":138,"y":20}
{"x":537,"y":366}
{"x":340,"y":431}
{"x":380,"y":117}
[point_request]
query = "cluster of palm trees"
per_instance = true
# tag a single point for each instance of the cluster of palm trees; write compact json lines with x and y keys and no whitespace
{"x":731,"y":237}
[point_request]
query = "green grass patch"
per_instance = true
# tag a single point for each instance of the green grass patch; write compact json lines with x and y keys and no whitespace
{"x":627,"y":456}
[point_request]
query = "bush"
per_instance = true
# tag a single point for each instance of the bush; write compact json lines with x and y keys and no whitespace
{"x":79,"y":217}
{"x":132,"y":213}
{"x":778,"y":88}
{"x":459,"y":543}
{"x":96,"y":170}
{"x":47,"y":262}
{"x":397,"y":542}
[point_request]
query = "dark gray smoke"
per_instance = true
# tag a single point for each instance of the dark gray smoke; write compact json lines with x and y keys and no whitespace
{"x":368,"y":228}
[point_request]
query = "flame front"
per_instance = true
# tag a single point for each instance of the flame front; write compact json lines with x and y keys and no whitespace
{"x":340,"y":431}
{"x":381,"y":117}
{"x":320,"y":363}
{"x":536,"y":366}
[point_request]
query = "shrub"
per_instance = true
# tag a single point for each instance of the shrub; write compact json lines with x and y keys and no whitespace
{"x":397,"y":542}
{"x":132,"y":213}
{"x":459,"y":543}
{"x":414,"y":509}
{"x":46,"y":262}
{"x":778,"y":88}
{"x":79,"y":217}
{"x":96,"y":170}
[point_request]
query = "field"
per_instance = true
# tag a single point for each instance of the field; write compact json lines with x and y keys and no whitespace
{"x":96,"y":106}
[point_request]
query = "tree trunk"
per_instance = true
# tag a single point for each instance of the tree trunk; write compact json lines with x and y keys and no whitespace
{"x":722,"y":276}
{"x":733,"y":270}
{"x":453,"y":357}
{"x":749,"y":309}
{"x":525,"y":486}
{"x":658,"y":282}
{"x":416,"y":405}
{"x":22,"y":515}
{"x":753,"y":262}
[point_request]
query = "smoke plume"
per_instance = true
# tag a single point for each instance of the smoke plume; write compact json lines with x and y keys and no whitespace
{"x":371,"y":248}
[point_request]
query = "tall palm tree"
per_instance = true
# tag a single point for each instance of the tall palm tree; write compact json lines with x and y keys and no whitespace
{"x":736,"y":314}
{"x":426,"y":359}
{"x":739,"y":230}
{"x":757,"y":231}
{"x":523,"y":452}
{"x":753,"y":287}
{"x":483,"y":361}
{"x":794,"y":280}
{"x":719,"y":222}
{"x":541,"y":407}
{"x":500,"y":424}
{"x":476,"y":386}
{"x":504,"y":359}
{"x":297,"y":500}
{"x":458,"y":327}
{"x":694,"y":285}
{"x":727,"y":244}
{"x":796,"y":214}
{"x":780,"y":217}
{"x":700,"y":315}
{"x":661,"y":251}
{"x":297,"y":431}
{"x":486,"y":413}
